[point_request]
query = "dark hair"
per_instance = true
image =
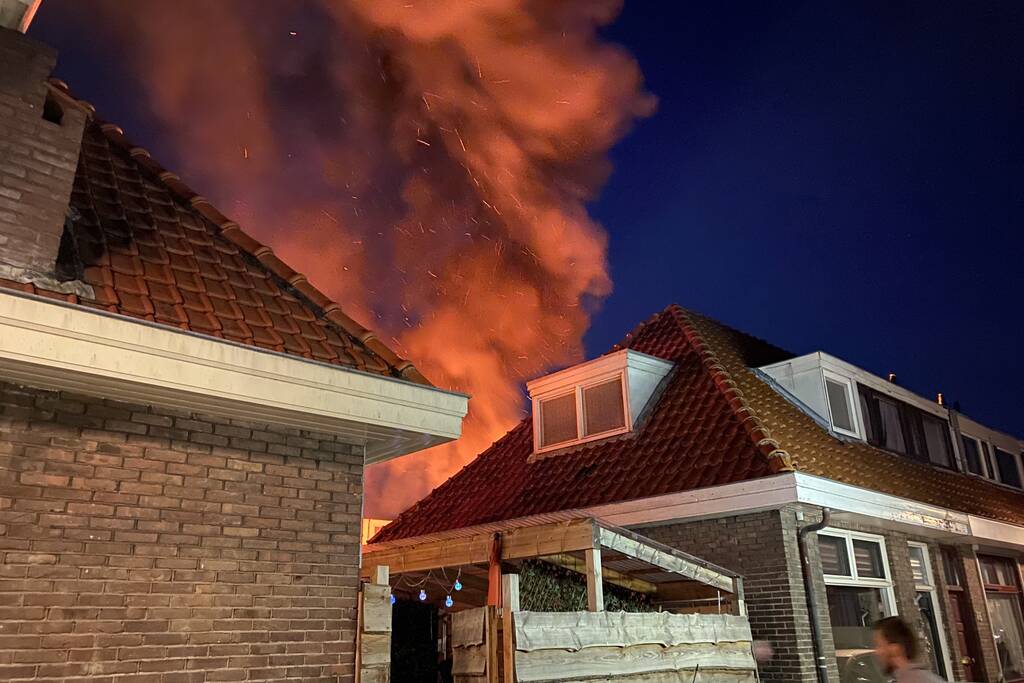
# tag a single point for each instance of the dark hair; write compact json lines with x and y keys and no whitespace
{"x":898,"y":632}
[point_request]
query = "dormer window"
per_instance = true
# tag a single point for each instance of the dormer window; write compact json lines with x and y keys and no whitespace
{"x":594,"y":400}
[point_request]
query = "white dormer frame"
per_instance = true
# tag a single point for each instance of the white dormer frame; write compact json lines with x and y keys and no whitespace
{"x":637,"y":373}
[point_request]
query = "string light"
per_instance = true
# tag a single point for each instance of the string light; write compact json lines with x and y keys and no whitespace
{"x":448,"y":602}
{"x":458,"y":585}
{"x":393,"y":600}
{"x":423,"y":594}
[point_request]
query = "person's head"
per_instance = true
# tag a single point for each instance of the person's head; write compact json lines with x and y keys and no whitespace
{"x":895,"y":643}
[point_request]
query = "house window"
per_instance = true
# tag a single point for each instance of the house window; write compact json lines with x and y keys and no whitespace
{"x":973,"y":456}
{"x":930,"y":630}
{"x":899,"y":427}
{"x":1002,"y":593}
{"x":1006,"y":464}
{"x":602,"y":408}
{"x":586,"y":412}
{"x":558,"y":420}
{"x":859,"y":591}
{"x":839,"y":393}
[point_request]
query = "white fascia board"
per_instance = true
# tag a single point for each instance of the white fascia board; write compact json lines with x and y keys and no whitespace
{"x":608,"y":364}
{"x":854,"y":499}
{"x":59,"y":346}
{"x":779,"y":490}
{"x":755,"y":495}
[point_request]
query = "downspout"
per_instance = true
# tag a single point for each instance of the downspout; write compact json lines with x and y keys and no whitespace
{"x":812,"y":602}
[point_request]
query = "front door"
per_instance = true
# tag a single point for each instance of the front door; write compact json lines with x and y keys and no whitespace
{"x":966,"y":639}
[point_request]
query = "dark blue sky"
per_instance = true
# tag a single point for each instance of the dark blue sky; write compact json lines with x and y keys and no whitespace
{"x":837,"y":176}
{"x":846,"y":177}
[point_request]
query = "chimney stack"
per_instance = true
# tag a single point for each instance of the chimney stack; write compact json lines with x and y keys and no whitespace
{"x":40,"y":139}
{"x":17,"y":14}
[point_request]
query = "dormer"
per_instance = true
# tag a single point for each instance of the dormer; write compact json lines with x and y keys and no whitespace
{"x":594,"y":400}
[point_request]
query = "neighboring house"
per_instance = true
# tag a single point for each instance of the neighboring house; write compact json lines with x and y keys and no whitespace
{"x":184,"y":419}
{"x":721,"y":445}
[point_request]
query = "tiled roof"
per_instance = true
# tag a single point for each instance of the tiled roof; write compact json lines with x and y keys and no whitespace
{"x":715,"y":423}
{"x":155,"y":250}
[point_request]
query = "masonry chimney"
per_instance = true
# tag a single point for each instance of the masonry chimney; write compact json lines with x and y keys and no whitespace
{"x":40,"y":138}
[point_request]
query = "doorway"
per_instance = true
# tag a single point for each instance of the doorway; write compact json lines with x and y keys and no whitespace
{"x":961,"y":621}
{"x":931,"y":630}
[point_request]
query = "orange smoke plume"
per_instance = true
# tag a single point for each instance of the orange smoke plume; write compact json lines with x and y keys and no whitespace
{"x":426,"y":164}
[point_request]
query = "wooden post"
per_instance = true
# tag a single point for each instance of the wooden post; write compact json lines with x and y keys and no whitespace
{"x":382,"y":575}
{"x":595,"y":587}
{"x":494,"y":573}
{"x":510,"y":592}
{"x":510,"y":604}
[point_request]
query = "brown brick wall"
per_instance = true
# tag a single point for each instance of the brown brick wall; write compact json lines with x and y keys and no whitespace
{"x":146,"y":545}
{"x":762,"y":547}
{"x":38,"y":159}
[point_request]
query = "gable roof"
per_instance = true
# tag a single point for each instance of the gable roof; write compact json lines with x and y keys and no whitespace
{"x":152,"y":249}
{"x":716,"y":423}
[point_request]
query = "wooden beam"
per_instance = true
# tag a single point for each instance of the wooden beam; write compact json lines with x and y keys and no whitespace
{"x":595,"y":585}
{"x":666,"y":558}
{"x":516,"y":544}
{"x":611,"y":576}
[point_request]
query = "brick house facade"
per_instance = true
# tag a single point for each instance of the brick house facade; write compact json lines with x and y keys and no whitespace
{"x":739,"y":447}
{"x":184,"y":419}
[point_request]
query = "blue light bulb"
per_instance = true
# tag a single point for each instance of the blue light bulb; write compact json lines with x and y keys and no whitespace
{"x":448,"y":601}
{"x":393,"y":601}
{"x":458,"y":585}
{"x":423,"y":595}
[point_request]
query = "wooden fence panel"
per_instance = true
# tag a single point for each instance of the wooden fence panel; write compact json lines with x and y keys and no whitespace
{"x":634,"y":647}
{"x":375,"y":634}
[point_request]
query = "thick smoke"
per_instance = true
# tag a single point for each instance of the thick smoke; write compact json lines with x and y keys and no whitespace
{"x":426,"y":163}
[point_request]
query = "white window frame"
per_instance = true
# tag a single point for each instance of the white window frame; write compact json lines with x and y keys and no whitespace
{"x":932,"y":588}
{"x":858,"y":581}
{"x":987,"y":453}
{"x":581,"y":438}
{"x":852,"y":400}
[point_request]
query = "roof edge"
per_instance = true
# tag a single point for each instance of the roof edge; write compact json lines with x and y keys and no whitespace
{"x":233,"y":232}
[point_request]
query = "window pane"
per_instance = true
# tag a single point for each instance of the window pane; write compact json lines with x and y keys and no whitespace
{"x":892,"y":428}
{"x":839,"y":405}
{"x":558,"y":419}
{"x":833,"y":553}
{"x":869,"y":414}
{"x":928,"y":632}
{"x":1004,"y":611}
{"x":602,"y":407}
{"x":1007,"y":464}
{"x":918,"y":566}
{"x":972,"y":456}
{"x":852,"y":612}
{"x":998,"y":571}
{"x":936,"y":437}
{"x":951,"y":567}
{"x":868,"y":557}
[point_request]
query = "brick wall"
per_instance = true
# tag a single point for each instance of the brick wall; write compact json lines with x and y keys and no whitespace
{"x":156,"y":546}
{"x":38,"y":159}
{"x":762,"y":547}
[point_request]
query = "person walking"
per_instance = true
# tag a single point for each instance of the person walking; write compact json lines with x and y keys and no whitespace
{"x":897,"y":649}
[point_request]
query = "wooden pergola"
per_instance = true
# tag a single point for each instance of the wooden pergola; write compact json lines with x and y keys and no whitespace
{"x":601,"y":552}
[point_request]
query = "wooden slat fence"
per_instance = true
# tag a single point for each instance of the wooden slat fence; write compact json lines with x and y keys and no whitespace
{"x":633,"y":647}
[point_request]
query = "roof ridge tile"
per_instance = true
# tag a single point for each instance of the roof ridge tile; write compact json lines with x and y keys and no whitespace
{"x":778,"y":458}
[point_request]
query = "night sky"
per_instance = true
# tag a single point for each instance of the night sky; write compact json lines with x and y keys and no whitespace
{"x":830,"y":176}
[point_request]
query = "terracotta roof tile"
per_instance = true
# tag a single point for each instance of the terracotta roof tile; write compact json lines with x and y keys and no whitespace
{"x":715,"y":423}
{"x":154,"y":249}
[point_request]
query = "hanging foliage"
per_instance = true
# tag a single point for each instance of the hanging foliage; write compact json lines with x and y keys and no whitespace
{"x":545,"y":587}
